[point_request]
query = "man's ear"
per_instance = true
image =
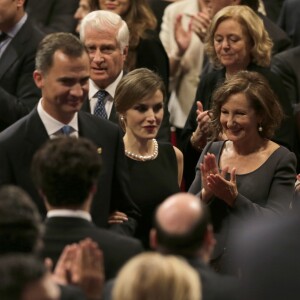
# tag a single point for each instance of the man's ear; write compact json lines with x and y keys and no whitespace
{"x":38,"y":79}
{"x":125,"y":52}
{"x":153,"y":239}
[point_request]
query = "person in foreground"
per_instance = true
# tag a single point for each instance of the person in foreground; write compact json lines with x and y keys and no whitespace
{"x":66,"y":171}
{"x":21,"y":232}
{"x":154,"y":276}
{"x":246,"y":173}
{"x":155,"y":168}
{"x":182,"y":227}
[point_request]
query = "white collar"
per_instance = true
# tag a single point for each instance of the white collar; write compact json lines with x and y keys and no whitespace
{"x":70,"y":213}
{"x":52,"y":125}
{"x":111,"y":89}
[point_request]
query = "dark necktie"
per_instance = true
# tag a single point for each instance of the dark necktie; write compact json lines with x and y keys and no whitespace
{"x":66,"y":130}
{"x":100,"y":105}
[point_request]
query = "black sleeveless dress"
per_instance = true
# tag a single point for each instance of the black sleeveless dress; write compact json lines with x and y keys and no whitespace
{"x":151,"y":182}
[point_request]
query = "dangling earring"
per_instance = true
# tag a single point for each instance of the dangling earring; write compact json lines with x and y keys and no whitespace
{"x":122,"y":118}
{"x":260,"y":129}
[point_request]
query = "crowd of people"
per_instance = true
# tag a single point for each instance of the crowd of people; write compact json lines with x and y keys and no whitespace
{"x":149,"y":153}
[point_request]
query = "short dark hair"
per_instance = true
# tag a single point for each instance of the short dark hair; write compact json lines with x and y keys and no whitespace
{"x":16,"y":272}
{"x":68,"y":43}
{"x":258,"y":91}
{"x":188,"y":243}
{"x":65,"y":169}
{"x":20,"y":222}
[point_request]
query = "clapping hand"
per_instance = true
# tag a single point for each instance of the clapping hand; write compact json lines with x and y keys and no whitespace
{"x":214,"y":182}
{"x":82,"y":265}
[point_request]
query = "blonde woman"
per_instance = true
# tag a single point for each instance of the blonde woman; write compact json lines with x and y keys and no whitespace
{"x":151,"y":276}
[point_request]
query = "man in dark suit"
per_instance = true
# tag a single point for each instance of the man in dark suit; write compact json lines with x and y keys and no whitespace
{"x":66,"y":171}
{"x":18,"y":93}
{"x":286,"y":66}
{"x":62,"y":73}
{"x":182,"y":227}
{"x":53,"y":15}
{"x":107,"y":46}
{"x":289,"y":20}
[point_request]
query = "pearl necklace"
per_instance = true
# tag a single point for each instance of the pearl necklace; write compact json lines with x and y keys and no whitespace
{"x":144,"y":157}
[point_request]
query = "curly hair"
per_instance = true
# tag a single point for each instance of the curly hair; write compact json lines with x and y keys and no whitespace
{"x":252,"y":26}
{"x":65,"y":169}
{"x":262,"y":98}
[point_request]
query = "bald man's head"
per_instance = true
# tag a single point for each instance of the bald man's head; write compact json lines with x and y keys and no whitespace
{"x":181,"y":223}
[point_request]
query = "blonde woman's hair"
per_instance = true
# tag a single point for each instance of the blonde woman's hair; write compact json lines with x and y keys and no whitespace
{"x":151,"y":276}
{"x":252,"y":26}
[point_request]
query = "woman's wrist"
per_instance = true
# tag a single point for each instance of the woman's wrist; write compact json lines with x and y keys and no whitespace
{"x":205,"y":196}
{"x":197,"y":143}
{"x":176,"y":55}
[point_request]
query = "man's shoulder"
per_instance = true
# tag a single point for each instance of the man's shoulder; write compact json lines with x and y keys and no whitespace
{"x":116,"y":239}
{"x":29,"y":29}
{"x":87,"y":117}
{"x":17,"y":129}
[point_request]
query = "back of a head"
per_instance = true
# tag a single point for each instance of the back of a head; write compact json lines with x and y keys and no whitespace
{"x":154,"y":276}
{"x":20,"y":223}
{"x":181,"y":224}
{"x":65,"y":42}
{"x":102,"y":21}
{"x":64,"y":170}
{"x":22,"y":277}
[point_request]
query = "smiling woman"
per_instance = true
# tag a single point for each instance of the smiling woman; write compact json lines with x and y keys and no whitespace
{"x":155,"y":168}
{"x":247,"y":174}
{"x":236,"y":40}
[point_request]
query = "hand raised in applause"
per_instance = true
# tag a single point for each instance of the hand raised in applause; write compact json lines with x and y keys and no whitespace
{"x":182,"y":37}
{"x":199,"y":136}
{"x":200,"y":23}
{"x":82,"y":265}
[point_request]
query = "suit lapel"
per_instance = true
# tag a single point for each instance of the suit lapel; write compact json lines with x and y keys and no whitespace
{"x":35,"y":131}
{"x":11,"y":54}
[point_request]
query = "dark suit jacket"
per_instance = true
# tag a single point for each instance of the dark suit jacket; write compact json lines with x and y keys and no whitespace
{"x":18,"y":92}
{"x":71,"y":292}
{"x":214,"y":286}
{"x":19,"y":142}
{"x":53,"y":15}
{"x":286,"y":66}
{"x":273,"y":8}
{"x":61,"y":231}
{"x":279,"y":37}
{"x":289,"y":20}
